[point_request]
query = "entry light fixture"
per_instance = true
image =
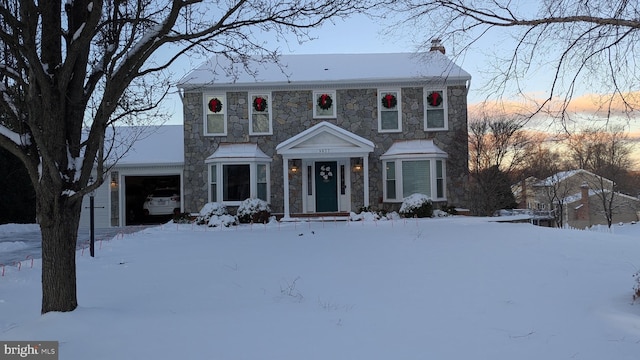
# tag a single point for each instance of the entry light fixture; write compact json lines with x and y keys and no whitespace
{"x":358,"y":165}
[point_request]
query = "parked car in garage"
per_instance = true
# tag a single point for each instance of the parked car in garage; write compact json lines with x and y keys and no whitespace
{"x":165,"y":201}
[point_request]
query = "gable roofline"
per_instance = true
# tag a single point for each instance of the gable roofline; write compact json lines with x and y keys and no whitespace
{"x":564,"y":175}
{"x":578,"y":196}
{"x":359,"y":145}
{"x":335,"y":70}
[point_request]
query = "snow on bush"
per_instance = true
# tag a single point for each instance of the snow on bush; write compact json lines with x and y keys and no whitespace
{"x":215,"y":214}
{"x":364,"y":216}
{"x":416,"y":205}
{"x":225,"y":220}
{"x":440,"y":213}
{"x":254,"y":211}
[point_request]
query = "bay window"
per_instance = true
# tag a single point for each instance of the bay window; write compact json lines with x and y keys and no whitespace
{"x":238,"y":172}
{"x":414,"y":166}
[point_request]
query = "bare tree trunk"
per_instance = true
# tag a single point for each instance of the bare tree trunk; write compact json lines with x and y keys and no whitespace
{"x":59,"y":219}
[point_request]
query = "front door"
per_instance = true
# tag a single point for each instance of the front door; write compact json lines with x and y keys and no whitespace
{"x":326,"y":186}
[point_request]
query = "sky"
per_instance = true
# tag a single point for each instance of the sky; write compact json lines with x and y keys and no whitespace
{"x":360,"y":34}
{"x":437,"y":288}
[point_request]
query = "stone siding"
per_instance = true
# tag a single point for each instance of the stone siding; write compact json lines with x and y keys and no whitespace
{"x":292,"y":113}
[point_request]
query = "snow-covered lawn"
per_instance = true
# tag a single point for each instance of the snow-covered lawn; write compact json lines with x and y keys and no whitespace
{"x":442,"y":288}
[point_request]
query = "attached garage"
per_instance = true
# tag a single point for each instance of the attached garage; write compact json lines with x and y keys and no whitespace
{"x":154,"y":161}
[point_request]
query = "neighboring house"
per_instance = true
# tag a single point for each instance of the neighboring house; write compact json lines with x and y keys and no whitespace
{"x":578,"y":199}
{"x":326,"y":134}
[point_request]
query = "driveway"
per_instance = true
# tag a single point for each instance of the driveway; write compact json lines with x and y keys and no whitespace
{"x":17,"y":246}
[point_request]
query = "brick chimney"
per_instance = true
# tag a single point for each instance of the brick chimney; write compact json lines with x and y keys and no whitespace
{"x":523,"y":194}
{"x":436,"y":45}
{"x":583,"y":210}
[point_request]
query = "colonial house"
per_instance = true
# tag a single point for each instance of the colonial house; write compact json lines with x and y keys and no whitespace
{"x":326,"y":134}
{"x":578,"y":199}
{"x":311,"y":134}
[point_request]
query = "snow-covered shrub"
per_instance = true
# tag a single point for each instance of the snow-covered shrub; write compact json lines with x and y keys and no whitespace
{"x":440,"y":213}
{"x":225,"y":220}
{"x":364,"y":215}
{"x":416,"y":205}
{"x":254,"y":211}
{"x":215,"y":214}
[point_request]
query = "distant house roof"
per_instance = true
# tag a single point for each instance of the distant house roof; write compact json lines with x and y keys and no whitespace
{"x":563,"y":175}
{"x":146,"y":145}
{"x":290,"y":70}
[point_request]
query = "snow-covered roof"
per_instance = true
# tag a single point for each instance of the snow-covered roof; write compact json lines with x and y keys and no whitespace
{"x":413,"y":148}
{"x":149,"y":145}
{"x":328,"y":68}
{"x":563,"y":175}
{"x":234,"y":152}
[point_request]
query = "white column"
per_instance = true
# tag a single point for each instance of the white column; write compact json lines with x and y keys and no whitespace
{"x":365,"y":168}
{"x":285,"y":175}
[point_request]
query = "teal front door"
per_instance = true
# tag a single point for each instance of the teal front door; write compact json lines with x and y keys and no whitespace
{"x":326,"y":186}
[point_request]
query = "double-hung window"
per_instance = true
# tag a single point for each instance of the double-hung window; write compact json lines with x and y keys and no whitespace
{"x":435,"y":110}
{"x":215,"y":110}
{"x":389,"y":110}
{"x":260,"y":114}
{"x":324,"y":104}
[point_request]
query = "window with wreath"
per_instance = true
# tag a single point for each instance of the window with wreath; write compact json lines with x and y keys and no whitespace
{"x":415,"y":166}
{"x":435,"y":103}
{"x":324,"y":104}
{"x":260,"y":114}
{"x":389,"y":111}
{"x":215,"y":122}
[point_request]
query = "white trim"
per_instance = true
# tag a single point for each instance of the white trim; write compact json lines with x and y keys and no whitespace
{"x":253,"y":180}
{"x":316,"y":107}
{"x":269,"y":113}
{"x":206,"y":98}
{"x":398,"y":109}
{"x":414,"y":150}
{"x":323,"y":142}
{"x":444,"y":107}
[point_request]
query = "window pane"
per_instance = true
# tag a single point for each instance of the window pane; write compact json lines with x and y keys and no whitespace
{"x":260,"y":123}
{"x":235,"y":181}
{"x":389,"y":120}
{"x":343,"y":183}
{"x":439,"y":180}
{"x":213,"y":182}
{"x":391,"y":179}
{"x":262,"y":181}
{"x":391,"y":189}
{"x":309,"y":181}
{"x":435,"y":119}
{"x":215,"y":123}
{"x":261,"y":177}
{"x":416,"y":178}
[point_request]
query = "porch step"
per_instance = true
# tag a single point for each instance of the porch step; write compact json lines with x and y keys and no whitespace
{"x":329,"y":216}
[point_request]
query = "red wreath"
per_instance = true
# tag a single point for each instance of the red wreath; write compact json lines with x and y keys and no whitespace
{"x":434,"y":99}
{"x":215,"y":105}
{"x":260,"y":104}
{"x":325,"y":101}
{"x":389,"y":101}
